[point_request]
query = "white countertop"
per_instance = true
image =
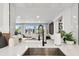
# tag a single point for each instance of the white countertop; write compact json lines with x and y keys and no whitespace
{"x":18,"y":50}
{"x":70,"y":50}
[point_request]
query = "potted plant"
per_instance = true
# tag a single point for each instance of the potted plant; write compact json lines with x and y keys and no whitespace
{"x":68,"y":38}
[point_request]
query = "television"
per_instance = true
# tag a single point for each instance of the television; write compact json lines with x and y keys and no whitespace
{"x":51,"y":28}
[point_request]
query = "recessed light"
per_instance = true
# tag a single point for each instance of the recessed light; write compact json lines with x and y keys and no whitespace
{"x":37,"y":17}
{"x":74,"y":16}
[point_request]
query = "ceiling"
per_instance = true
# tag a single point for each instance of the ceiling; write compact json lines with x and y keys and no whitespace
{"x":45,"y":11}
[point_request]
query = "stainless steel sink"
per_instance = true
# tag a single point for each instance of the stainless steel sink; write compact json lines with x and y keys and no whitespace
{"x":44,"y":52}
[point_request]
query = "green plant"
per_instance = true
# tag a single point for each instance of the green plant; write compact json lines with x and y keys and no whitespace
{"x":69,"y":37}
{"x":18,"y":30}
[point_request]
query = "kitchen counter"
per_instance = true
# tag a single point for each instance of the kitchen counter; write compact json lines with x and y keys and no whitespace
{"x":17,"y":50}
{"x":21,"y":48}
{"x":70,"y":50}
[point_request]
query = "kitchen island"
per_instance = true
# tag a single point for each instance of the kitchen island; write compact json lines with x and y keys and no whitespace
{"x":21,"y":48}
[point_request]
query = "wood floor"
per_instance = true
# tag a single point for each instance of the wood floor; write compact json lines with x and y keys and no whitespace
{"x":43,"y":52}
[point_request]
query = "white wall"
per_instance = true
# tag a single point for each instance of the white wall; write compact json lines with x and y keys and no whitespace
{"x":4,"y":17}
{"x":74,"y":21}
{"x":70,"y":20}
{"x":12,"y":19}
{"x":1,"y":18}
